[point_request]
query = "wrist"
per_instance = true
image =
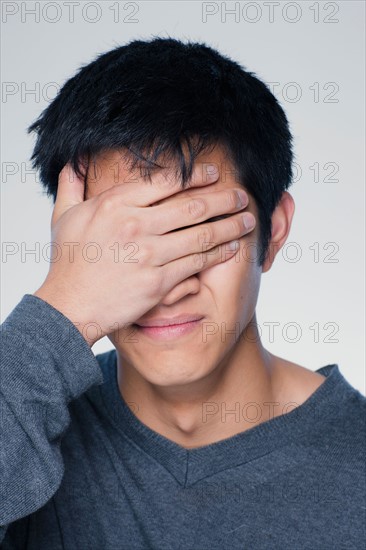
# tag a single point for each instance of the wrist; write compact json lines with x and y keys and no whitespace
{"x":87,"y":329}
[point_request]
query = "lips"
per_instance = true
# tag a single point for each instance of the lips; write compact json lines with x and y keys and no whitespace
{"x":169,"y":329}
{"x":167,"y":322}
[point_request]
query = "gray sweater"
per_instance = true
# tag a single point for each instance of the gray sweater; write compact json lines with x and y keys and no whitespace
{"x":79,"y":471}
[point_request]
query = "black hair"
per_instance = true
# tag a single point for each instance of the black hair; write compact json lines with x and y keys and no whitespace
{"x":152,"y":97}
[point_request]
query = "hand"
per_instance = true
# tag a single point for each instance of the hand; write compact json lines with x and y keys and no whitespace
{"x":114,"y":259}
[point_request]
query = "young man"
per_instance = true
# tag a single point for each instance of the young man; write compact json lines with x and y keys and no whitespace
{"x":189,"y":434}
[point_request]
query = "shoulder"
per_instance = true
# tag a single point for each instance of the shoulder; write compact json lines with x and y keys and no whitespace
{"x":294,"y":383}
{"x":339,"y":408}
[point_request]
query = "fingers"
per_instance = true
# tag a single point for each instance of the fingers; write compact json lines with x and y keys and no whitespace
{"x":206,"y":236}
{"x":164,"y":183}
{"x":70,"y":191}
{"x":189,"y":211}
{"x":188,"y":286}
{"x":177,"y":271}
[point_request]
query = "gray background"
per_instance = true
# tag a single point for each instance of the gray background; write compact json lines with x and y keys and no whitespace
{"x":314,"y":52}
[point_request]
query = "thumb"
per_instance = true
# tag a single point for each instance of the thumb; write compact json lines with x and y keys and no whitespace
{"x":70,"y":192}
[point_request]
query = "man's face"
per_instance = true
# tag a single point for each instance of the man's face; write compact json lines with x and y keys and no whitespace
{"x":225,"y":295}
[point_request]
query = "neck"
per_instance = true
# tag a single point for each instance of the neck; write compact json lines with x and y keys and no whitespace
{"x":235,"y":396}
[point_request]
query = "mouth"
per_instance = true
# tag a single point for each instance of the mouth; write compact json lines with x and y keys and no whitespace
{"x":171,"y":330}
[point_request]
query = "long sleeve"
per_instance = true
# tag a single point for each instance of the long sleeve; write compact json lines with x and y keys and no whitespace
{"x":45,"y":364}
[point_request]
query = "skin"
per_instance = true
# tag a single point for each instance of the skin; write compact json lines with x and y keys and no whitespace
{"x":84,"y":288}
{"x":179,"y":388}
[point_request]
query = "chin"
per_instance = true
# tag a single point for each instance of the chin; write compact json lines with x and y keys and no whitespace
{"x":172,"y":373}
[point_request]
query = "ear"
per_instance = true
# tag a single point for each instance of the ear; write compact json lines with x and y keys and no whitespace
{"x":281,"y":225}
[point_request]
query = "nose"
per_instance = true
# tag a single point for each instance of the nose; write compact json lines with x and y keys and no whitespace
{"x":188,"y":286}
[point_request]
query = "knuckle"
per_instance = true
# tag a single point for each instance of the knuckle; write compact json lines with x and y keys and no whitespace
{"x":197,"y":208}
{"x":131,"y":228}
{"x":198,"y":261}
{"x":106,"y":204}
{"x":205,"y":236}
{"x":237,"y":226}
{"x":145,"y":255}
{"x":231,"y":200}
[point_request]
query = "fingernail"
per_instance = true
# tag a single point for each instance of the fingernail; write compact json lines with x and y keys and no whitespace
{"x":212,"y":169}
{"x":242,"y":198}
{"x":249,"y":220}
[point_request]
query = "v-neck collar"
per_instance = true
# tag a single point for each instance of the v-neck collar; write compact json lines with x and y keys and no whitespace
{"x":188,"y":466}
